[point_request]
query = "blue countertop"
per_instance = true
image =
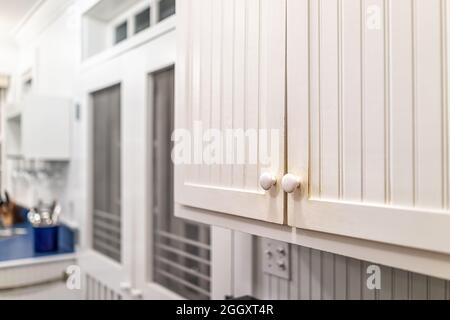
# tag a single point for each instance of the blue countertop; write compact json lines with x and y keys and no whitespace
{"x":22,"y":247}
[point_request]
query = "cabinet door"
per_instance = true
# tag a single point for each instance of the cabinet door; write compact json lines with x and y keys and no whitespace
{"x":46,"y":128}
{"x":231,"y":78}
{"x":368,"y":119}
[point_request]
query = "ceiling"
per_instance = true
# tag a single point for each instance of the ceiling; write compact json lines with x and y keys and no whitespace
{"x":12,"y":12}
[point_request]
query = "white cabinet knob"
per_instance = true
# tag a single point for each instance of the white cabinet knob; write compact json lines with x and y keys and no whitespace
{"x":290,"y":183}
{"x":267,"y":181}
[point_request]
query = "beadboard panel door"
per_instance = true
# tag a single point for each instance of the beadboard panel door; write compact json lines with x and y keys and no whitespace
{"x":319,"y":275}
{"x":368,"y":119}
{"x":231,"y":72}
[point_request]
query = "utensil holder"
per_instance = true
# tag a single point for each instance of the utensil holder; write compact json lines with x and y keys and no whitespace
{"x":46,"y":239}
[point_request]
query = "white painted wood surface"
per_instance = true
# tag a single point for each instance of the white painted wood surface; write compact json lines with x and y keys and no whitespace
{"x":374,"y":148}
{"x":231,"y":75}
{"x":367,"y":119}
{"x":367,"y":124}
{"x":93,"y":289}
{"x":40,"y":129}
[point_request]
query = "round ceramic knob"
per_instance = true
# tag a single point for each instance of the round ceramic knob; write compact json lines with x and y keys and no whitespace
{"x":290,"y":183}
{"x":267,"y":181}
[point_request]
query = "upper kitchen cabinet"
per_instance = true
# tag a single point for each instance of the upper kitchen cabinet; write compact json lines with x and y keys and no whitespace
{"x":356,"y":93}
{"x":230,"y":83}
{"x":368,"y":120}
{"x":45,"y":128}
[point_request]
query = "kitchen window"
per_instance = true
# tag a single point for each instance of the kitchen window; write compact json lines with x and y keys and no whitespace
{"x":121,"y":32}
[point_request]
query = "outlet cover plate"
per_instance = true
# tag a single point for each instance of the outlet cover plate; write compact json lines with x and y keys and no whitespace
{"x":276,"y":258}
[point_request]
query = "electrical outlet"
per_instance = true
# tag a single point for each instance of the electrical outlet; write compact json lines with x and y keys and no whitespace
{"x":276,"y":258}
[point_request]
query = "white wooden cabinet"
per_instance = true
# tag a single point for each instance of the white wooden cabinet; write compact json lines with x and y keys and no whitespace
{"x":39,"y":128}
{"x":359,"y":90}
{"x":374,"y":155}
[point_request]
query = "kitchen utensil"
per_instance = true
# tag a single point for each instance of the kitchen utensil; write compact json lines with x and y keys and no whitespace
{"x":56,"y":213}
{"x":45,"y":216}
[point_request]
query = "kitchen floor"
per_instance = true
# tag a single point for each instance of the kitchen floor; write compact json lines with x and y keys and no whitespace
{"x":50,"y":291}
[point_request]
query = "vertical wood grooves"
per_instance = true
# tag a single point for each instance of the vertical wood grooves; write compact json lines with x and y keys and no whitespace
{"x":363,"y":121}
{"x":414,"y":100}
{"x":393,"y":163}
{"x":258,"y":170}
{"x":286,"y":110}
{"x":334,"y":277}
{"x":413,"y":91}
{"x":319,"y":98}
{"x":200,"y":81}
{"x":95,"y":290}
{"x":444,"y":76}
{"x":410,"y":286}
{"x":314,"y":269}
{"x":246,"y":35}
{"x":309,"y":101}
{"x":278,"y":289}
{"x":387,"y":112}
{"x":233,"y":82}
{"x":189,"y":73}
{"x":347,"y":279}
{"x":196,"y":78}
{"x":445,"y":295}
{"x":233,"y":264}
{"x":321,"y":292}
{"x":310,"y":278}
{"x":340,"y":102}
{"x":361,"y":279}
{"x":221,"y":83}
{"x":87,"y":286}
{"x":393,"y":279}
{"x":211,"y":25}
{"x":299,"y":273}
